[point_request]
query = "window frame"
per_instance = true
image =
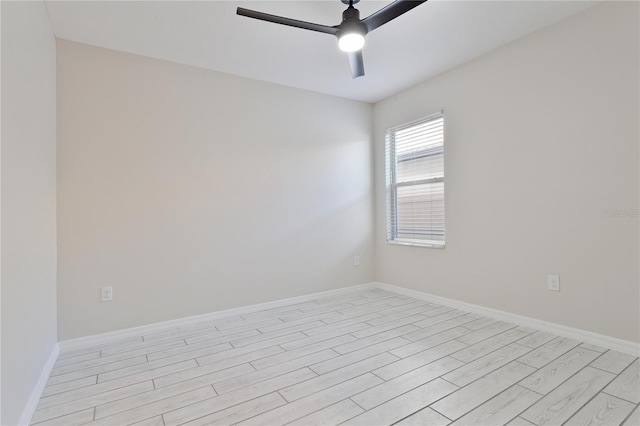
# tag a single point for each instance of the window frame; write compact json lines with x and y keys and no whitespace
{"x":392,"y":184}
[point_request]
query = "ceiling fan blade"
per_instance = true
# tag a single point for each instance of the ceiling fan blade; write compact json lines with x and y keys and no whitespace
{"x":390,"y":12}
{"x":286,"y":21}
{"x":357,"y":64}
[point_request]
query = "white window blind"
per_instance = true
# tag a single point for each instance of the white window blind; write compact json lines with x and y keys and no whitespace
{"x":415,"y":182}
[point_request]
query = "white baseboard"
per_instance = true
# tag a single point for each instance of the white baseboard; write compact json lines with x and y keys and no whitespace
{"x":98,"y":339}
{"x":32,"y":403}
{"x":561,"y":330}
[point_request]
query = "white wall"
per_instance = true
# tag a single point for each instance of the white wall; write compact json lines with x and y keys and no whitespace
{"x":28,"y":202}
{"x":541,"y":137}
{"x":191,"y":191}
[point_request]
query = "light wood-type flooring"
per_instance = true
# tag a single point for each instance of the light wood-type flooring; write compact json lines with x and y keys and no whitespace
{"x":366,"y":358}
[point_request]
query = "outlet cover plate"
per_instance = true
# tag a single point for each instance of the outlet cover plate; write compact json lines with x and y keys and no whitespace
{"x":106,"y":294}
{"x":553,"y":282}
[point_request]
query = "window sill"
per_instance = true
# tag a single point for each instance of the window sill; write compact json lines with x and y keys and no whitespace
{"x":416,"y":243}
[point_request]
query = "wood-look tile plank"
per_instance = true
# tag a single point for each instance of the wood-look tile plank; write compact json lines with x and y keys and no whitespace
{"x":549,"y":351}
{"x":553,"y":374}
{"x":537,"y":339}
{"x":114,"y":366}
{"x":455,"y":322}
{"x":605,"y":410}
{"x":297,"y":325}
{"x":125,"y":342}
{"x":418,"y":360}
{"x":220,"y":336}
{"x":486,"y":364}
{"x":191,"y":351}
{"x":342,"y":360}
{"x":332,"y":415}
{"x":486,"y":332}
{"x":594,"y":348}
{"x":277,"y":333}
{"x":469,"y":397}
{"x":357,"y":344}
{"x":316,"y":384}
{"x":137,"y":414}
{"x":66,"y":408}
{"x":480,"y":323}
{"x":501,"y":408}
{"x":527,"y":330}
{"x":225,"y":341}
{"x":312,"y":403}
{"x":430,"y":321}
{"x":247,"y":325}
{"x":113,"y":358}
{"x":404,"y":405}
{"x":409,"y":309}
{"x":424,"y":417}
{"x":73,"y":419}
{"x":613,"y":361}
{"x":489,"y":345}
{"x":351,"y":314}
{"x":221,"y":402}
{"x":335,"y":326}
{"x":305,"y":350}
{"x":108,"y":409}
{"x":172,"y":334}
{"x":404,"y":300}
{"x":98,"y":388}
{"x":345,"y":314}
{"x":519,"y":421}
{"x":68,"y":386}
{"x":634,"y":418}
{"x":341,"y":298}
{"x":379,"y":303}
{"x":379,"y":297}
{"x":429,"y":342}
{"x":143,"y":348}
{"x":153,"y":421}
{"x":75,"y":359}
{"x":251,"y":364}
{"x":203,"y":327}
{"x":271,"y":313}
{"x":319,"y":313}
{"x":560,"y":404}
{"x":151,"y":365}
{"x":310,"y":305}
{"x":209,"y":358}
{"x":404,"y":383}
{"x":323,"y":336}
{"x":627,"y":384}
{"x":242,"y":411}
{"x":438,"y":310}
{"x":257,"y":376}
{"x":200,"y":370}
{"x":388,"y":325}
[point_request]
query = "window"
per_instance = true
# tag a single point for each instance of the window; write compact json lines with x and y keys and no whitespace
{"x":415,"y":182}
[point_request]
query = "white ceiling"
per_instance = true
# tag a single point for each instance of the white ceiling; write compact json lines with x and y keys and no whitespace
{"x":435,"y":36}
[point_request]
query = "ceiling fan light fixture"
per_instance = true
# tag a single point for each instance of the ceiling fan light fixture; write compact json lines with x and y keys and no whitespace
{"x":350,"y":31}
{"x":351,"y":42}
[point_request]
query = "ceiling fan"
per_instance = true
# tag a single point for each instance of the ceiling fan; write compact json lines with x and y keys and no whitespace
{"x":350,"y":31}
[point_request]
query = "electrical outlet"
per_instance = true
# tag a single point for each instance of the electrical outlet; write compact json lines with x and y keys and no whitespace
{"x":356,"y":261}
{"x":553,"y":282}
{"x":106,"y":294}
